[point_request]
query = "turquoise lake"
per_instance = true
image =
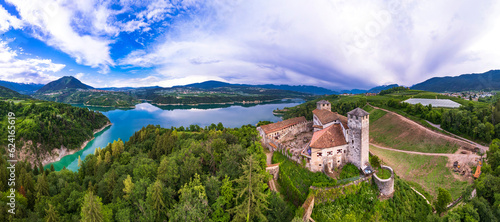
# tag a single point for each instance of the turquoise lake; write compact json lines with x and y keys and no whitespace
{"x":126,"y":122}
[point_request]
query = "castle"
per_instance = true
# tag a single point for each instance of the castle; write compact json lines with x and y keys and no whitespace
{"x":336,"y":140}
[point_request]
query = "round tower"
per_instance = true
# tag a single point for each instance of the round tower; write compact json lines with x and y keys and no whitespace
{"x":359,"y":141}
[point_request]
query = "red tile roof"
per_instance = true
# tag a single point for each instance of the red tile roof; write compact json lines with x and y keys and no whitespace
{"x":331,"y":136}
{"x":326,"y":116}
{"x":273,"y":127}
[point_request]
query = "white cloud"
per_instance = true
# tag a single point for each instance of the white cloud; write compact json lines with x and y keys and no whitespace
{"x":336,"y":44}
{"x":7,"y":21}
{"x":25,"y":70}
{"x":79,"y":75}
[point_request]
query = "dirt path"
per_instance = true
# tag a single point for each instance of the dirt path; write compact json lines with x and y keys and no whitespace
{"x":421,"y":195}
{"x":269,"y":158}
{"x":465,"y":159}
{"x":461,"y":156}
{"x":458,"y":139}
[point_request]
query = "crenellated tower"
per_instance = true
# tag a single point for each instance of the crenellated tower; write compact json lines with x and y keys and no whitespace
{"x":359,"y":143}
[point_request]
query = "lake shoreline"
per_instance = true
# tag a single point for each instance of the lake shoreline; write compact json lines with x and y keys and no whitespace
{"x":63,"y":151}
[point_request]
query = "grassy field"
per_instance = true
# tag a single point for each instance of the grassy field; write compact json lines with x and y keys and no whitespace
{"x":392,"y":131}
{"x":428,"y":171}
{"x":376,"y":114}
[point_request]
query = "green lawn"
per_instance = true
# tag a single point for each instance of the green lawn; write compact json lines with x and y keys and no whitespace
{"x":384,"y":173}
{"x":428,"y":171}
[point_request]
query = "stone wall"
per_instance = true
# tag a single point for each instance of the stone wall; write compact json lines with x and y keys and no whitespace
{"x":385,"y":186}
{"x":316,"y":161}
{"x":274,"y":170}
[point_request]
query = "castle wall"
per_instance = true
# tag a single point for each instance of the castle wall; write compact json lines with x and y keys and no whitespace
{"x":385,"y":186}
{"x":328,"y":156}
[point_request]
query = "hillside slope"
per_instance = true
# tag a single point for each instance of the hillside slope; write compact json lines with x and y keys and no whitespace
{"x":397,"y":132}
{"x":11,"y":94}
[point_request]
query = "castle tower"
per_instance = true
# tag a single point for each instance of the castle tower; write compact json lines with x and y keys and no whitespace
{"x":323,"y":104}
{"x":358,"y":151}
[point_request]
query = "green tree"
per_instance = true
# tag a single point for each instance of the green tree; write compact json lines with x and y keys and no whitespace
{"x":51,"y":214}
{"x":168,"y":172}
{"x":223,"y":202}
{"x":278,"y":209}
{"x":193,"y":203}
{"x":250,"y":199}
{"x":443,"y":199}
{"x":156,"y":199}
{"x":129,"y":186}
{"x":92,"y":209}
{"x":42,"y":187}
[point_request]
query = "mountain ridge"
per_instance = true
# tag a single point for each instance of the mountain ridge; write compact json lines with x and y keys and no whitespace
{"x":65,"y":82}
{"x":489,"y":80}
{"x":23,"y":88}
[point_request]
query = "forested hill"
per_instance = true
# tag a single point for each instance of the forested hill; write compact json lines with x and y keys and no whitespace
{"x":49,"y":124}
{"x":295,"y":88}
{"x":22,"y":88}
{"x":485,"y":81}
{"x":66,"y":82}
{"x":7,"y":93}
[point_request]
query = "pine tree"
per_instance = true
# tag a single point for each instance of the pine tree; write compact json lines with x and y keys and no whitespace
{"x":157,"y":200}
{"x":92,"y":210}
{"x":251,"y":199}
{"x":42,"y":187}
{"x":51,"y":214}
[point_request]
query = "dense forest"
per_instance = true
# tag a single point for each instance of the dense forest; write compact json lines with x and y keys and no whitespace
{"x":215,"y":174}
{"x":50,"y":124}
{"x":190,"y":95}
{"x":89,"y":97}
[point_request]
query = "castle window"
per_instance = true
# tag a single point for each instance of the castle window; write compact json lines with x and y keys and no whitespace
{"x":339,"y":151}
{"x":344,"y":151}
{"x":329,"y":153}
{"x":319,"y":154}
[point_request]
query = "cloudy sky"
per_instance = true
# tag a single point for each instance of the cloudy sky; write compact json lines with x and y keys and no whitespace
{"x":340,"y":44}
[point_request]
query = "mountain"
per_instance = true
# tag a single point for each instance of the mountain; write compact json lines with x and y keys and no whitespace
{"x":209,"y":84}
{"x":66,"y":82}
{"x":123,"y":89}
{"x":300,"y":88}
{"x":11,"y":94}
{"x":377,"y":89}
{"x":22,"y":88}
{"x":484,"y":81}
{"x":353,"y":91}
